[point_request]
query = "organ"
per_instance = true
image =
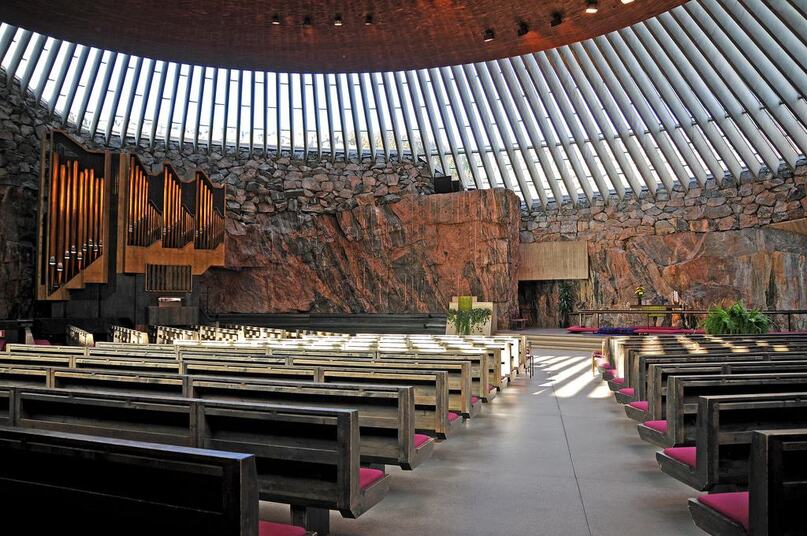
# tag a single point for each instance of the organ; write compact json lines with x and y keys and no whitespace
{"x":103,"y":213}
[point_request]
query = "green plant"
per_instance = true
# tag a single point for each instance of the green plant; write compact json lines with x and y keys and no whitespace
{"x":466,"y":321}
{"x":566,"y":301}
{"x":736,"y":320}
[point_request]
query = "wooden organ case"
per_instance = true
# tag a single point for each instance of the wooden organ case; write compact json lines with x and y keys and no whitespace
{"x":103,"y":215}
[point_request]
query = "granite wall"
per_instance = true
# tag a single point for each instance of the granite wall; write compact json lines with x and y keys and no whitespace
{"x":712,"y":244}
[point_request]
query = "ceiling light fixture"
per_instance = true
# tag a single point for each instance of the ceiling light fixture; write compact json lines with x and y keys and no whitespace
{"x":337,"y":21}
{"x":275,"y":19}
{"x":523,"y":29}
{"x":557,"y":18}
{"x":489,"y":35}
{"x":591,"y":7}
{"x":368,"y":20}
{"x":627,"y":1}
{"x":306,"y":21}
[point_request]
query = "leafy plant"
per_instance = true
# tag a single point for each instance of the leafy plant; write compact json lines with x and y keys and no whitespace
{"x":736,"y":320}
{"x":566,"y":301}
{"x":466,"y":321}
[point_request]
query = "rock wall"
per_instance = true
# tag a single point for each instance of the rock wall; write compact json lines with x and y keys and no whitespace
{"x":711,"y":245}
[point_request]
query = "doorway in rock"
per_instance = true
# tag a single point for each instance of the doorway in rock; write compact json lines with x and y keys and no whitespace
{"x":539,"y":303}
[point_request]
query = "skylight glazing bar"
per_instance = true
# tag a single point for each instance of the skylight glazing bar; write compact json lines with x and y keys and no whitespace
{"x":424,"y":90}
{"x":354,"y":114}
{"x":265,"y":113}
{"x":277,"y":108}
{"x":239,"y":86}
{"x":127,"y":114}
{"x":382,"y":120}
{"x":199,"y":100}
{"x":79,"y":70}
{"x":192,"y":69}
{"x":653,"y":59}
{"x":50,"y":61}
{"x":158,"y":102}
{"x":340,"y":100}
{"x":290,"y":78}
{"x":172,"y":104}
{"x":317,"y":120}
{"x":451,"y":90}
{"x":214,"y":89}
{"x":700,"y":99}
{"x":22,"y":44}
{"x":329,"y":108}
{"x":365,"y":99}
{"x":461,"y":86}
{"x":581,"y":110}
{"x":253,"y":110}
{"x":406,"y":116}
{"x":113,"y":109}
{"x":90,"y":87}
{"x":424,"y":134}
{"x":5,"y":41}
{"x":33,"y":60}
{"x":305,"y":115}
{"x":389,"y":89}
{"x":63,"y":70}
{"x":434,"y":76}
{"x":604,"y":125}
{"x":102,"y":94}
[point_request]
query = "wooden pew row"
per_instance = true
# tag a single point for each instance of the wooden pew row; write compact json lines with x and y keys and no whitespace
{"x":305,"y":457}
{"x":691,"y":346}
{"x":74,"y":484}
{"x":435,"y":413}
{"x":635,"y":362}
{"x":777,"y":491}
{"x":679,"y":427}
{"x":720,"y":458}
{"x":386,"y":414}
{"x":641,"y":391}
{"x":659,"y":375}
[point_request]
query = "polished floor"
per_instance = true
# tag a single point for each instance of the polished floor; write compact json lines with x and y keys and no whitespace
{"x":552,"y":456}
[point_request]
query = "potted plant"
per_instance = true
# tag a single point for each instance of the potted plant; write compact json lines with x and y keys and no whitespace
{"x":566,"y":302}
{"x":736,"y":320}
{"x":466,"y":318}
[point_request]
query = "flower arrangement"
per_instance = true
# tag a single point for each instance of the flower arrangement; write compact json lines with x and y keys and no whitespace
{"x":639,"y":293}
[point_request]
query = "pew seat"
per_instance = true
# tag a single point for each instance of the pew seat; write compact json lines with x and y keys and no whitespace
{"x":625,"y":395}
{"x":452,"y":416}
{"x":638,"y":410}
{"x":616,"y":383}
{"x":267,"y":528}
{"x":679,"y":462}
{"x":368,"y":477}
{"x":655,"y":432}
{"x":722,"y":513}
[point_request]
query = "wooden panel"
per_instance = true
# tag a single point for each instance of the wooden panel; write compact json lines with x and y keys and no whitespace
{"x":553,"y":260}
{"x":169,"y":278}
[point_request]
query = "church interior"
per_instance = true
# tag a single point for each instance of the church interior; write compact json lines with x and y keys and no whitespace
{"x":353,"y":267}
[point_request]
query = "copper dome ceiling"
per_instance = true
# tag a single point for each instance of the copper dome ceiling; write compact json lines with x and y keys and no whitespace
{"x":301,"y":36}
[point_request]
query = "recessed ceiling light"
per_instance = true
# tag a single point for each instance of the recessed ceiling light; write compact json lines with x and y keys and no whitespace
{"x":591,"y":7}
{"x":627,"y":1}
{"x":368,"y":20}
{"x":489,"y":35}
{"x":275,"y":19}
{"x":557,"y":18}
{"x":523,"y":29}
{"x":337,"y":21}
{"x":306,"y":21}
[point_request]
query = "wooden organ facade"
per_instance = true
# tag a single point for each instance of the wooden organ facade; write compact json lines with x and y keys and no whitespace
{"x":103,"y":214}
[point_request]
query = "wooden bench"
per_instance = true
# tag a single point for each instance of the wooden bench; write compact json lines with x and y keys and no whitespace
{"x":659,"y":374}
{"x":124,"y":335}
{"x":680,"y":425}
{"x":719,"y":460}
{"x":323,"y":475}
{"x":777,"y":490}
{"x":57,"y":483}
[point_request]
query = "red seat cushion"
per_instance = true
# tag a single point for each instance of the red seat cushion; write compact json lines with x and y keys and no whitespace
{"x":627,"y":391}
{"x":596,"y":353}
{"x":658,"y":426}
{"x":580,"y":329}
{"x":453,"y":416}
{"x":619,"y":381}
{"x":267,"y":528}
{"x":42,"y":342}
{"x":2,"y":345}
{"x":685,"y":455}
{"x":420,"y":439}
{"x":492,"y":388}
{"x":642,"y":405}
{"x":474,"y":400}
{"x":368,"y":477}
{"x":732,"y":505}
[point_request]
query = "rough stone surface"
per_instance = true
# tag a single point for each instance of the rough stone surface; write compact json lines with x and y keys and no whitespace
{"x":719,"y":248}
{"x":410,"y":256}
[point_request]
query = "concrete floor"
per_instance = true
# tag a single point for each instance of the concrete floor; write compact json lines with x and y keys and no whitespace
{"x":552,"y":456}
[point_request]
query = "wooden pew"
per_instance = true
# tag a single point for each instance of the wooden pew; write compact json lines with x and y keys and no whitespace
{"x":72,"y":484}
{"x":386,"y":414}
{"x":720,"y":457}
{"x":659,"y":374}
{"x":680,"y":423}
{"x":777,"y":491}
{"x":305,"y":457}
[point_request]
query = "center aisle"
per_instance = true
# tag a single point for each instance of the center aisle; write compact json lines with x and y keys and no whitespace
{"x":552,"y":456}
